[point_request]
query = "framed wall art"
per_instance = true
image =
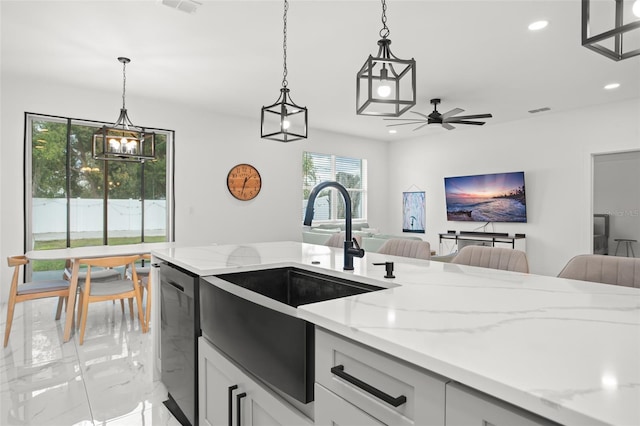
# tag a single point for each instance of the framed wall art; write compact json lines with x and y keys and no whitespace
{"x":413,"y":212}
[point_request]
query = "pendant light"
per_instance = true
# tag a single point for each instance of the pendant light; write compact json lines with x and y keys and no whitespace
{"x":123,"y":141}
{"x":385,"y":85}
{"x":284,"y":121}
{"x":617,"y":41}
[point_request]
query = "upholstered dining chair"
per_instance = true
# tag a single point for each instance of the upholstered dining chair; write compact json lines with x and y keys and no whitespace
{"x":493,"y":257}
{"x":408,"y":248}
{"x":31,"y":291}
{"x":145,"y":285}
{"x":337,"y":240}
{"x":599,"y":268}
{"x":91,"y":292}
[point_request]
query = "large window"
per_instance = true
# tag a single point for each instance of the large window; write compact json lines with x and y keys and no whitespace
{"x":329,"y":205}
{"x":73,"y":200}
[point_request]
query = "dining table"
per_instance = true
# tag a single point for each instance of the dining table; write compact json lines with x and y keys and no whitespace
{"x":74,"y":254}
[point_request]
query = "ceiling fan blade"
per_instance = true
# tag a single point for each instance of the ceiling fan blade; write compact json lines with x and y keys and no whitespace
{"x":403,"y":124}
{"x":467,"y":117}
{"x":452,"y":112}
{"x":421,"y":114}
{"x":448,"y":126}
{"x":420,"y":127}
{"x":403,"y":119}
{"x":477,"y":123}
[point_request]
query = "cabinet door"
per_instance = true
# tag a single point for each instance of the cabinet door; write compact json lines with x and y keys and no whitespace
{"x":466,"y":406}
{"x":331,"y":410}
{"x":226,"y":391}
{"x":215,"y":388}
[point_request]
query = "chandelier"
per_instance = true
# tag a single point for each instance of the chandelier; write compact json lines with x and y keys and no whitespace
{"x":123,"y":141}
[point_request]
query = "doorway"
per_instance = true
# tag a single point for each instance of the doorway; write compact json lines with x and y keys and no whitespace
{"x":616,"y":203}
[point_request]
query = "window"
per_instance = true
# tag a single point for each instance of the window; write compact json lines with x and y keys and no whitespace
{"x":329,"y":205}
{"x":73,"y":200}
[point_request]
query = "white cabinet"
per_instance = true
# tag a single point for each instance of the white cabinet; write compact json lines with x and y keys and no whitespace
{"x":466,"y":406}
{"x":356,"y":384}
{"x":228,"y":396}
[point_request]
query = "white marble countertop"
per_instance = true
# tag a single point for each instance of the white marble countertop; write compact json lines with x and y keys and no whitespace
{"x":564,"y":349}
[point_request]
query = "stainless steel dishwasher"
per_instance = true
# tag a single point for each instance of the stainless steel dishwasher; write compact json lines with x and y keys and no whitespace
{"x":179,"y":332}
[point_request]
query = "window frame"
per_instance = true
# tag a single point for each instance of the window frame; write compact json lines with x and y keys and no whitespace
{"x":363,"y":190}
{"x":29,"y":118}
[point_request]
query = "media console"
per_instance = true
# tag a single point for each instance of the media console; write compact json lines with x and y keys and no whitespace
{"x":492,"y":239}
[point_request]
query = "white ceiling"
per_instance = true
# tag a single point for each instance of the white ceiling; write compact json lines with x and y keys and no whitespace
{"x":227,"y":56}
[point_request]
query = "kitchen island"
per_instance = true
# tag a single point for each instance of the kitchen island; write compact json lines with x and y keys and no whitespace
{"x":565,"y":350}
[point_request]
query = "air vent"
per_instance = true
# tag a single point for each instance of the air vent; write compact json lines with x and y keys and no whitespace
{"x":189,"y":6}
{"x":543,"y":109}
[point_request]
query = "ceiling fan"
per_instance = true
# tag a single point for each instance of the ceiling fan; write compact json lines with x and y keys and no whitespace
{"x":446,"y":119}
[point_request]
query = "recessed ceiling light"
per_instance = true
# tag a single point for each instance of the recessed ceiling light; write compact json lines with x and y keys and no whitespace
{"x":538,"y":25}
{"x":392,"y":131}
{"x":612,"y":86}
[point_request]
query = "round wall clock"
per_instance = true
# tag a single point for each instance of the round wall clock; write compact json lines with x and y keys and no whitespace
{"x":244,"y":182}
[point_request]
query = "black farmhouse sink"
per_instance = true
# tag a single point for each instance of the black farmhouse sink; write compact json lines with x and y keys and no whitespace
{"x":270,"y":342}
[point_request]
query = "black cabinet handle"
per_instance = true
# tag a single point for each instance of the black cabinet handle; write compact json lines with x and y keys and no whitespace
{"x":338,"y":370}
{"x":231,"y":389}
{"x":239,"y":407}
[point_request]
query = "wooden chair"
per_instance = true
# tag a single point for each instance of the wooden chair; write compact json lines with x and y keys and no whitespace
{"x":493,"y":257}
{"x":31,"y":291}
{"x":145,"y":284}
{"x":110,"y":290}
{"x":408,"y":248}
{"x":599,"y":268}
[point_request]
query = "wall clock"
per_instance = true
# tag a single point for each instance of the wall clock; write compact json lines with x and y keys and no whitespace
{"x":244,"y":182}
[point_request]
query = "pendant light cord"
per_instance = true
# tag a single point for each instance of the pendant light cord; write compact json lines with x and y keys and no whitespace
{"x":284,"y":44}
{"x":384,"y":32}
{"x":124,"y":82}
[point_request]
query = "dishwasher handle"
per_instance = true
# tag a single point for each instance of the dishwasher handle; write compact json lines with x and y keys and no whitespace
{"x":176,"y":285}
{"x":338,"y":370}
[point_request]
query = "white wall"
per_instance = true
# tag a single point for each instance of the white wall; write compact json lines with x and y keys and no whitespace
{"x":555,"y":152}
{"x":208,"y":144}
{"x":616,"y":192}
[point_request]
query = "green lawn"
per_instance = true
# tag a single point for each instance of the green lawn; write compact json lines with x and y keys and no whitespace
{"x":55,"y":265}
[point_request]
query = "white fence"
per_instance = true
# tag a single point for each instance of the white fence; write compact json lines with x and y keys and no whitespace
{"x":124,"y":216}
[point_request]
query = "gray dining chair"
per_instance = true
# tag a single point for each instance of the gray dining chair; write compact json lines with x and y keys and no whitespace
{"x":417,"y":249}
{"x":493,"y":257}
{"x":599,"y":268}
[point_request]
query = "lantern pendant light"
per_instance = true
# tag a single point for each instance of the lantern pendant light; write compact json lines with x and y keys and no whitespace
{"x":284,"y":121}
{"x":618,"y":41}
{"x":123,"y":141}
{"x":385,"y":85}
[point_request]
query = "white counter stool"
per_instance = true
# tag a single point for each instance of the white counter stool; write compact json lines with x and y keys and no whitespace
{"x":628,"y":245}
{"x":31,"y":291}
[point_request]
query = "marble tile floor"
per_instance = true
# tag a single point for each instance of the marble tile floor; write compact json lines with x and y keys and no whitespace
{"x":106,"y":381}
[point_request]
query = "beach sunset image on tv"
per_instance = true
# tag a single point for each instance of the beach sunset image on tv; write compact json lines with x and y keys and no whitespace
{"x":498,"y":197}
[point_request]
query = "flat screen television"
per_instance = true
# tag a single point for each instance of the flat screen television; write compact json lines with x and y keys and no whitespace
{"x":497,"y":197}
